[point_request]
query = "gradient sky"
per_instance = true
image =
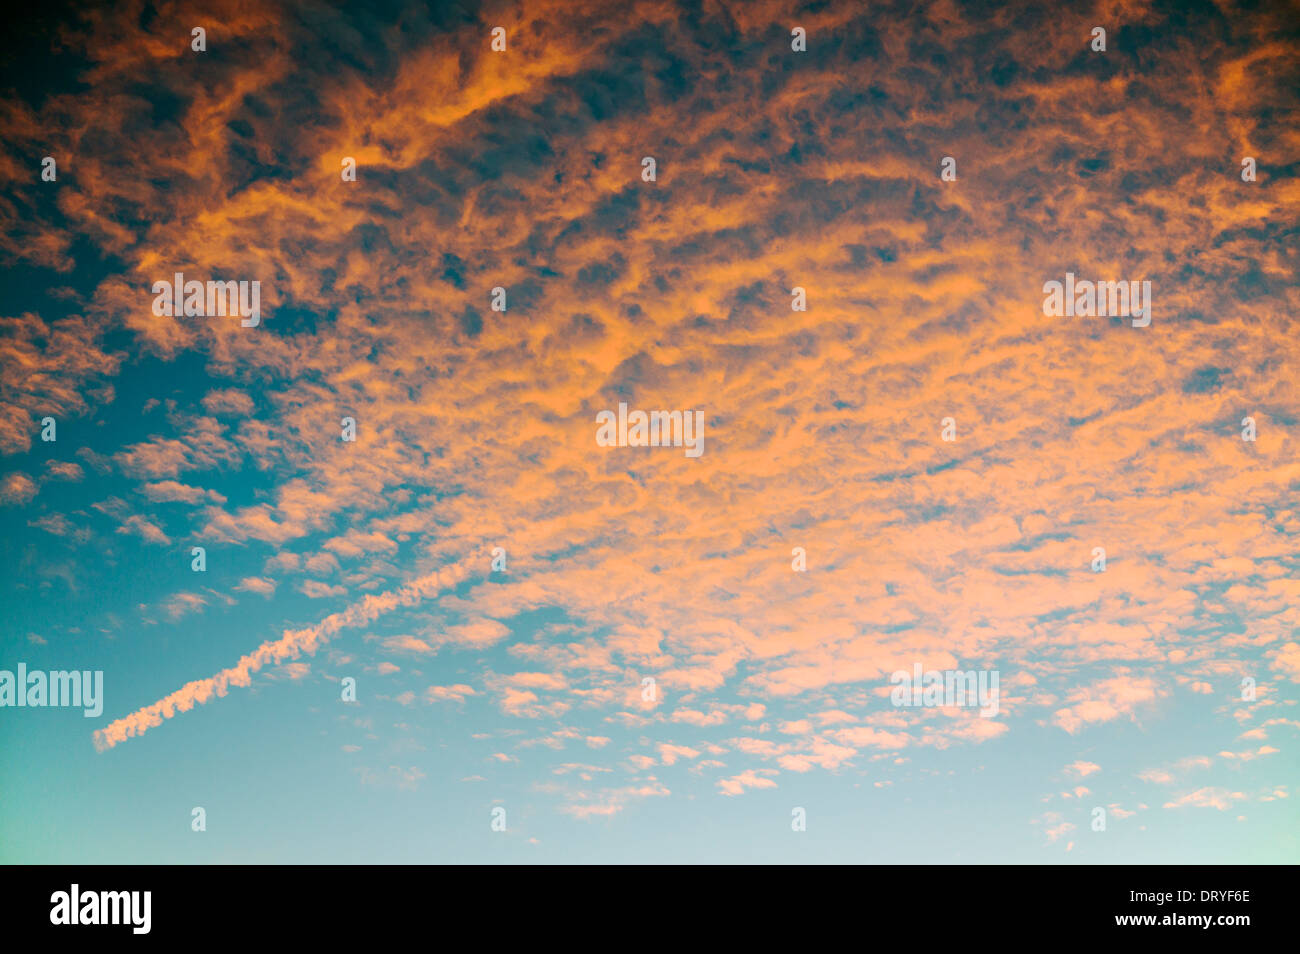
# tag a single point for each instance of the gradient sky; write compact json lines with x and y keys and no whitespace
{"x":476,"y":429}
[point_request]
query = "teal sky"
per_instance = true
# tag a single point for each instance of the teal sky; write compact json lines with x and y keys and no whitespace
{"x":908,"y":462}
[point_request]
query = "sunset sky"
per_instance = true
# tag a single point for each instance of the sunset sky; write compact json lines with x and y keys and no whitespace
{"x":522,"y":688}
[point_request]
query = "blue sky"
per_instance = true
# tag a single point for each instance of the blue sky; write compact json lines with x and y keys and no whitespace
{"x":908,"y":459}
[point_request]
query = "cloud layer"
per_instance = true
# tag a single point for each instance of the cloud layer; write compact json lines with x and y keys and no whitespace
{"x":820,"y":170}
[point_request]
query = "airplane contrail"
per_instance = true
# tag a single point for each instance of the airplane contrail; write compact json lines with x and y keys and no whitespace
{"x":287,"y":646}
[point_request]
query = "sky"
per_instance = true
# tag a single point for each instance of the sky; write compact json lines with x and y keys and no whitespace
{"x":477,"y":633}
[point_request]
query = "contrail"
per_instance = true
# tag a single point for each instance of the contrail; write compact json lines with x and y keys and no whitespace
{"x":287,"y":646}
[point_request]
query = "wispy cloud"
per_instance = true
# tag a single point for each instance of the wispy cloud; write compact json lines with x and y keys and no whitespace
{"x":288,"y":646}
